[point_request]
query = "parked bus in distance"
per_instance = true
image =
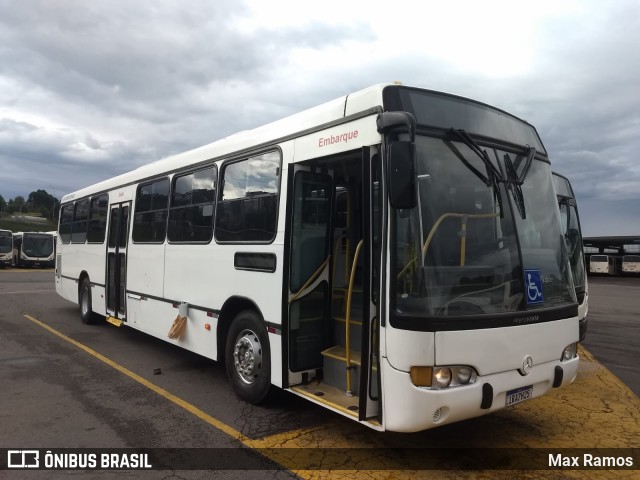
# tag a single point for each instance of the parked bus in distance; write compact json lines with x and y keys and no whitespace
{"x":6,"y":248}
{"x":34,"y":249}
{"x":389,"y":255}
{"x":631,"y":264}
{"x":605,"y":264}
{"x":570,"y":223}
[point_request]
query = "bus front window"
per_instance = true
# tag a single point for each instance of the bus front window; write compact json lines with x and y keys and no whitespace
{"x":6,"y":243}
{"x":466,"y":249}
{"x":36,"y":245}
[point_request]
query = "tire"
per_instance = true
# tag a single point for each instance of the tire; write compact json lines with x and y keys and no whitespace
{"x":248,"y":357}
{"x":84,"y":301}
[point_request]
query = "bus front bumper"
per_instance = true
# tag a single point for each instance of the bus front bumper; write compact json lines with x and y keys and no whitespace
{"x":408,"y":408}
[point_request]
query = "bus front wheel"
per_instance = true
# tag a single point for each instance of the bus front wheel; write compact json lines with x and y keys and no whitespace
{"x":248,"y":357}
{"x":84,"y":300}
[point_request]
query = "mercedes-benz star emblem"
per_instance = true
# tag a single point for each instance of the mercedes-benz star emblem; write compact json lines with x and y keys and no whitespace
{"x":527,"y":364}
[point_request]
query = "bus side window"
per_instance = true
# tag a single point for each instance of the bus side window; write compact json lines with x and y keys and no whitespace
{"x":248,"y":203}
{"x":79,"y":226}
{"x":150,"y":220}
{"x":191,"y":213}
{"x":66,"y":219}
{"x":98,"y":219}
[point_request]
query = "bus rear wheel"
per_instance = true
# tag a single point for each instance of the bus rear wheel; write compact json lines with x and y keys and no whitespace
{"x":248,"y":357}
{"x":84,"y":300}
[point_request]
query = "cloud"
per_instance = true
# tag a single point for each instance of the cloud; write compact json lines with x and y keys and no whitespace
{"x":98,"y":88}
{"x":121,"y":84}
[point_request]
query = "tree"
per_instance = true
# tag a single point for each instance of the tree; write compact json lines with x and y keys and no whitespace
{"x":18,"y":203}
{"x":41,"y":198}
{"x":3,"y":205}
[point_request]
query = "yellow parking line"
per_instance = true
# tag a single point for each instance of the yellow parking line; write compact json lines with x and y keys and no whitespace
{"x":271,"y":446}
{"x":151,"y":386}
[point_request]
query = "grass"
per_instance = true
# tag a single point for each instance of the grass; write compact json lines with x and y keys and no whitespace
{"x":8,"y":223}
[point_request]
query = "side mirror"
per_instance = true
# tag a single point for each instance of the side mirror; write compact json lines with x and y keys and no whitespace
{"x":402,"y":175}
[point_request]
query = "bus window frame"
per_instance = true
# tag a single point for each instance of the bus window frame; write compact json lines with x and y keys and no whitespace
{"x":171,"y":208}
{"x":140,"y":185}
{"x":95,"y":200}
{"x":220,"y":201}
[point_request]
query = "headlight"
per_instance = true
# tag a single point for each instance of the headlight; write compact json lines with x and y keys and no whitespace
{"x":464,"y":375}
{"x":442,"y":377}
{"x":437,"y":378}
{"x":570,"y":351}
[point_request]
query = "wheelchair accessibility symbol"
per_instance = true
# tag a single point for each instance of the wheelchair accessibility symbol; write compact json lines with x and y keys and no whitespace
{"x":533,"y":286}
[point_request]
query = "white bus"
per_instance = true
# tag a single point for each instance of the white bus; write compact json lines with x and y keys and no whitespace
{"x":6,"y":248}
{"x":605,"y":264}
{"x":389,"y":255}
{"x":570,"y":222}
{"x":631,"y":264}
{"x":34,"y":249}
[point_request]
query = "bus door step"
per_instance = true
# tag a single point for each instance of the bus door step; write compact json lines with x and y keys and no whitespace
{"x":114,"y":321}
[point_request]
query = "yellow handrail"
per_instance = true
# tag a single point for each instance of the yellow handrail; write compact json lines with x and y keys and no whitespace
{"x":312,"y":279}
{"x":463,"y":239}
{"x":348,"y":316}
{"x":463,"y":216}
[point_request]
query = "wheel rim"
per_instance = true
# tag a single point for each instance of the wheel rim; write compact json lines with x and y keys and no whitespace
{"x":85,"y":302}
{"x":247,"y":356}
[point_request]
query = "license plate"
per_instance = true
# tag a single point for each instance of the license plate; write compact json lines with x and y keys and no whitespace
{"x":519,"y":395}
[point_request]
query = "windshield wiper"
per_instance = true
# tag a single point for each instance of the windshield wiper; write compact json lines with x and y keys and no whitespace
{"x":462,"y":135}
{"x":531,"y":152}
{"x":493,"y":177}
{"x":514,"y":184}
{"x":515,"y":180}
{"x":519,"y":178}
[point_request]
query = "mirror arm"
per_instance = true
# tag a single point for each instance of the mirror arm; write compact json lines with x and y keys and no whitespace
{"x":399,"y":122}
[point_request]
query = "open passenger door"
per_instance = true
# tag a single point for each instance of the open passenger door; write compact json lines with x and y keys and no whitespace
{"x":332,"y":287}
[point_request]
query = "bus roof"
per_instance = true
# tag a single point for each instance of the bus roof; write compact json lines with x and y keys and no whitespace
{"x":322,"y":114}
{"x":363,"y":102}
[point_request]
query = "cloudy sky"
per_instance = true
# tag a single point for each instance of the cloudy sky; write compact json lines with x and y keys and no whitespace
{"x":89,"y":90}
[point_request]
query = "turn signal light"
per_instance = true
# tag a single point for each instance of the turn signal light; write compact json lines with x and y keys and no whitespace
{"x":421,"y":376}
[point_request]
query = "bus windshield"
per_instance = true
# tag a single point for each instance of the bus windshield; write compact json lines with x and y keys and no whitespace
{"x":6,"y":242}
{"x":37,"y":245}
{"x":569,"y":220}
{"x":599,"y":259}
{"x":473,"y":246}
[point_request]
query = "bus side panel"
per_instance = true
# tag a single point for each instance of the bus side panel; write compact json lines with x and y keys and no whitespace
{"x":67,"y":288}
{"x":145,"y":269}
{"x":78,"y":258}
{"x":155,"y":317}
{"x":204,"y":276}
{"x":91,"y":257}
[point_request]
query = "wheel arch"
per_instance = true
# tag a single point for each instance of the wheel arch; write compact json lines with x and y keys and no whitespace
{"x":83,"y":274}
{"x":230,"y":309}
